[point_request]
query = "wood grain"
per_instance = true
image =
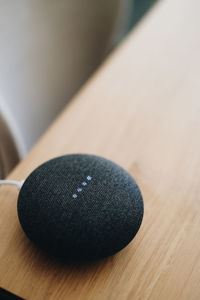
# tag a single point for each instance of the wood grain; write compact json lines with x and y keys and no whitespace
{"x":142,"y":110}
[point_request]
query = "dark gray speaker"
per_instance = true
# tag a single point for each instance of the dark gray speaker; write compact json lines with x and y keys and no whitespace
{"x":80,"y":206}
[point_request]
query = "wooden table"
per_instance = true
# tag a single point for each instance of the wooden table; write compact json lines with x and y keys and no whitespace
{"x":142,"y":110}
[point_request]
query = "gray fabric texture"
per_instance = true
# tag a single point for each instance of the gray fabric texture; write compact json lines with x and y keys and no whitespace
{"x":80,"y":207}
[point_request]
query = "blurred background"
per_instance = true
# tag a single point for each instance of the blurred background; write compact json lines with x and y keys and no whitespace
{"x":48,"y":49}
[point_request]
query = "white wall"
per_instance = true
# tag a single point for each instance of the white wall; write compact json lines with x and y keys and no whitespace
{"x":47,"y":50}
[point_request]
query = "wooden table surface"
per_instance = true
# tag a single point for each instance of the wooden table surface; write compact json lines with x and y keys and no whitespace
{"x":142,"y":110}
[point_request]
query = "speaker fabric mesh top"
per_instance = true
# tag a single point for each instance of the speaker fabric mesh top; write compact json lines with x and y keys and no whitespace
{"x":80,"y":207}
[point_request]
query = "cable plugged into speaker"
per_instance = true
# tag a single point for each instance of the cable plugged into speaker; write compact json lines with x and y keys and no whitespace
{"x":18,"y":184}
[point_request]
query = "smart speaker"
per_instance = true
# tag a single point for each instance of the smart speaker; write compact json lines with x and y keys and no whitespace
{"x":80,"y":207}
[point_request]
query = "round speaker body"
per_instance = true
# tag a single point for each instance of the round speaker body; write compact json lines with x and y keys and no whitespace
{"x":80,"y":206}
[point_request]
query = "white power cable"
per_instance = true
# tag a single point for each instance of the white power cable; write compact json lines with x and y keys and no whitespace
{"x":18,"y":184}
